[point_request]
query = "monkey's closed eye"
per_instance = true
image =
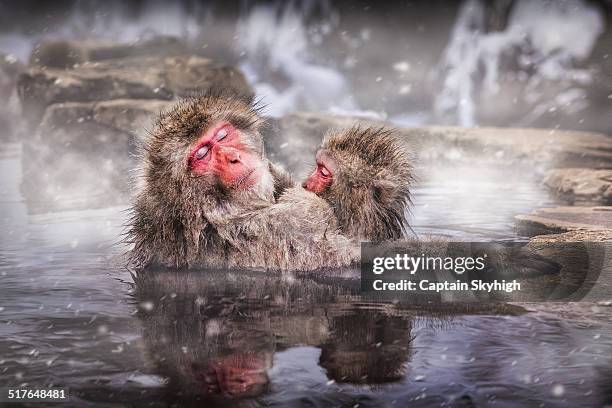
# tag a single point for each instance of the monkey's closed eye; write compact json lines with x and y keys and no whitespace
{"x":324,"y":171}
{"x":202,"y":151}
{"x":221,"y":134}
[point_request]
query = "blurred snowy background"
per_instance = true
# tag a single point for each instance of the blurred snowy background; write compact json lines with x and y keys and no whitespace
{"x":519,"y":63}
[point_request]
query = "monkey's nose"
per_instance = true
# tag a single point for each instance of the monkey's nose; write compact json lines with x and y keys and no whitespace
{"x":232,"y":156}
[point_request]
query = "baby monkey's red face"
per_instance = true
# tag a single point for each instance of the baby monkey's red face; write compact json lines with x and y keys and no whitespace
{"x":223,"y":152}
{"x":323,"y":175}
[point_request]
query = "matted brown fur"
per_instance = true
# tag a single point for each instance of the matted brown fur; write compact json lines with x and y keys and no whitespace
{"x":370,"y":192}
{"x":182,"y":220}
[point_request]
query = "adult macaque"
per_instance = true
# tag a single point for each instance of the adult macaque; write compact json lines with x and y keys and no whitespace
{"x":365,"y":175}
{"x":210,"y":198}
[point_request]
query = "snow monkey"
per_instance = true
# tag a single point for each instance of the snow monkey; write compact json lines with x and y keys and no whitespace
{"x":210,"y":198}
{"x":365,"y":175}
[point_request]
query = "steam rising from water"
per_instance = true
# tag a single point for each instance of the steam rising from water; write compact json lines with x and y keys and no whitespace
{"x":465,"y":199}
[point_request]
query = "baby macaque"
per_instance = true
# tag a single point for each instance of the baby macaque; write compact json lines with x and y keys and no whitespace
{"x":365,"y":175}
{"x":210,"y":198}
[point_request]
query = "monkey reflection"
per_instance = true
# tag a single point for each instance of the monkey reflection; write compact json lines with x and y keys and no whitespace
{"x":236,"y":376}
{"x":208,"y":343}
{"x":366,"y":347}
{"x":214,"y":335}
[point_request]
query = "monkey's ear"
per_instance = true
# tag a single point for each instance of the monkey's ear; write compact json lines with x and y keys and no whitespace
{"x":382,"y":191}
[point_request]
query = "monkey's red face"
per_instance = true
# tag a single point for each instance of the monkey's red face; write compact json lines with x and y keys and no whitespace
{"x":236,"y":376}
{"x":323,"y":175}
{"x":223,"y":152}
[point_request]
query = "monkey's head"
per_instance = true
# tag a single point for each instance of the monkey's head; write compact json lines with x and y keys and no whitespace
{"x":204,"y":159}
{"x":365,"y":174}
{"x":207,"y":150}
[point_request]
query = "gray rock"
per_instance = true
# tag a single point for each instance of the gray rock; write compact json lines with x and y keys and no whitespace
{"x":87,"y":152}
{"x":129,"y":78}
{"x":130,"y":116}
{"x":575,"y":236}
{"x":64,"y":54}
{"x":585,"y":257}
{"x":579,"y":239}
{"x":588,"y":222}
{"x":581,"y":185}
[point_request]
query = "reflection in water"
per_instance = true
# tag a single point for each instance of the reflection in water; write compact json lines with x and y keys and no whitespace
{"x":214,"y":334}
{"x":366,"y":346}
{"x":285,"y":341}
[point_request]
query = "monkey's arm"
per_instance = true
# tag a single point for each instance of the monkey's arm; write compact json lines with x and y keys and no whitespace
{"x":299,"y":232}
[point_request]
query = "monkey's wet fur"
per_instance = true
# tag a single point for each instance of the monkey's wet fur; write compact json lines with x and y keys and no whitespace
{"x":370,"y":193}
{"x":209,"y":198}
